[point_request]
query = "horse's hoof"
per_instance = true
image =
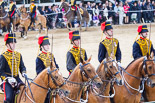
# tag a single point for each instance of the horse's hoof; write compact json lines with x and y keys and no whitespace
{"x":25,"y":37}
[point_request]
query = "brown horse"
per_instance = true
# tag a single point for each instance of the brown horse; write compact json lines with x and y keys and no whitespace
{"x":25,"y":20}
{"x":48,"y":78}
{"x":149,"y":91}
{"x":41,"y":24}
{"x":4,"y":19}
{"x":82,"y":75}
{"x":109,"y":73}
{"x":69,"y":14}
{"x":16,"y":22}
{"x":134,"y":77}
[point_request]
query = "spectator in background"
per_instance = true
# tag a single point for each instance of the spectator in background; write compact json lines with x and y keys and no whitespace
{"x":121,"y":13}
{"x":139,"y":9}
{"x":149,"y":15}
{"x":134,"y":14}
{"x":107,"y":3}
{"x":116,"y":16}
{"x":105,"y":12}
{"x":95,"y":19}
{"x":90,"y":11}
{"x":42,"y":10}
{"x":96,"y":10}
{"x":153,"y":12}
{"x":126,"y":9}
{"x":110,"y":11}
{"x":144,"y":19}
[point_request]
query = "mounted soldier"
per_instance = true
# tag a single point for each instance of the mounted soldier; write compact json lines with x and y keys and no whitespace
{"x":73,"y":55}
{"x":11,"y":63}
{"x":142,"y":46}
{"x":3,"y":4}
{"x":12,"y":10}
{"x":74,"y":7}
{"x":109,"y":45}
{"x":45,"y":57}
{"x":33,"y":12}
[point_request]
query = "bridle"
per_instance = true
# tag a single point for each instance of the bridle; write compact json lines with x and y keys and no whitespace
{"x":49,"y":72}
{"x":106,"y":68}
{"x":83,"y":72}
{"x":82,"y":84}
{"x":142,"y":79}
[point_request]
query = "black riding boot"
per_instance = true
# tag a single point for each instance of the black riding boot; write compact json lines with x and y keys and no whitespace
{"x":6,"y":101}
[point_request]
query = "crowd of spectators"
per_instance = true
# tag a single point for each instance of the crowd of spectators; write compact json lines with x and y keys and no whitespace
{"x":123,"y":12}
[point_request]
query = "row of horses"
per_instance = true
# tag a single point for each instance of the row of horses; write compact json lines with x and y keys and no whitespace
{"x":109,"y":83}
{"x":21,"y":20}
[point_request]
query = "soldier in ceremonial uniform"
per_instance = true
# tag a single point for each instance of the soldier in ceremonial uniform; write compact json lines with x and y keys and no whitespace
{"x":12,"y":10}
{"x":140,"y":46}
{"x":73,"y":55}
{"x":74,"y":7}
{"x":106,"y":46}
{"x":33,"y":12}
{"x":44,"y":58}
{"x":9,"y":69}
{"x":2,"y":3}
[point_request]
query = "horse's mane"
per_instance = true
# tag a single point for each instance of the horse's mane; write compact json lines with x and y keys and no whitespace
{"x":73,"y":71}
{"x":132,"y":62}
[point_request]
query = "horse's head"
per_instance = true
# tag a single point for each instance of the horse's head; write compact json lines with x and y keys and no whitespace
{"x":149,"y":69}
{"x":64,"y":5}
{"x":56,"y":80}
{"x":22,"y":9}
{"x":88,"y":73}
{"x":109,"y":70}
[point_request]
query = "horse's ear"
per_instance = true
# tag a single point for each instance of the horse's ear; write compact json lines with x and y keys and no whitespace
{"x":152,"y":55}
{"x":148,"y":56}
{"x":51,"y":66}
{"x":107,"y":57}
{"x":89,"y":59}
{"x":81,"y":60}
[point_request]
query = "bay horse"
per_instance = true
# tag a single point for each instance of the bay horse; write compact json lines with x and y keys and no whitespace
{"x":41,"y":22}
{"x":25,"y":20}
{"x":109,"y":73}
{"x":69,"y":14}
{"x":48,"y":78}
{"x":83,"y":74}
{"x":134,"y":76}
{"x":4,"y":19}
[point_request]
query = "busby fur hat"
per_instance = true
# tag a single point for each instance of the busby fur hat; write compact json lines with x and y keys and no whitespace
{"x":74,"y":35}
{"x":106,"y":26}
{"x":142,"y":29}
{"x":10,"y":38}
{"x":43,"y":40}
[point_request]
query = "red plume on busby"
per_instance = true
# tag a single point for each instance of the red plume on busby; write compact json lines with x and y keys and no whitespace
{"x":40,"y":40}
{"x":139,"y":28}
{"x":6,"y":37}
{"x":103,"y":26}
{"x":70,"y":35}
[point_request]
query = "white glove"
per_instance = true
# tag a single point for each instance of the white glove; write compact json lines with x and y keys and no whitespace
{"x":12,"y":81}
{"x":119,"y":64}
{"x":24,"y":75}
